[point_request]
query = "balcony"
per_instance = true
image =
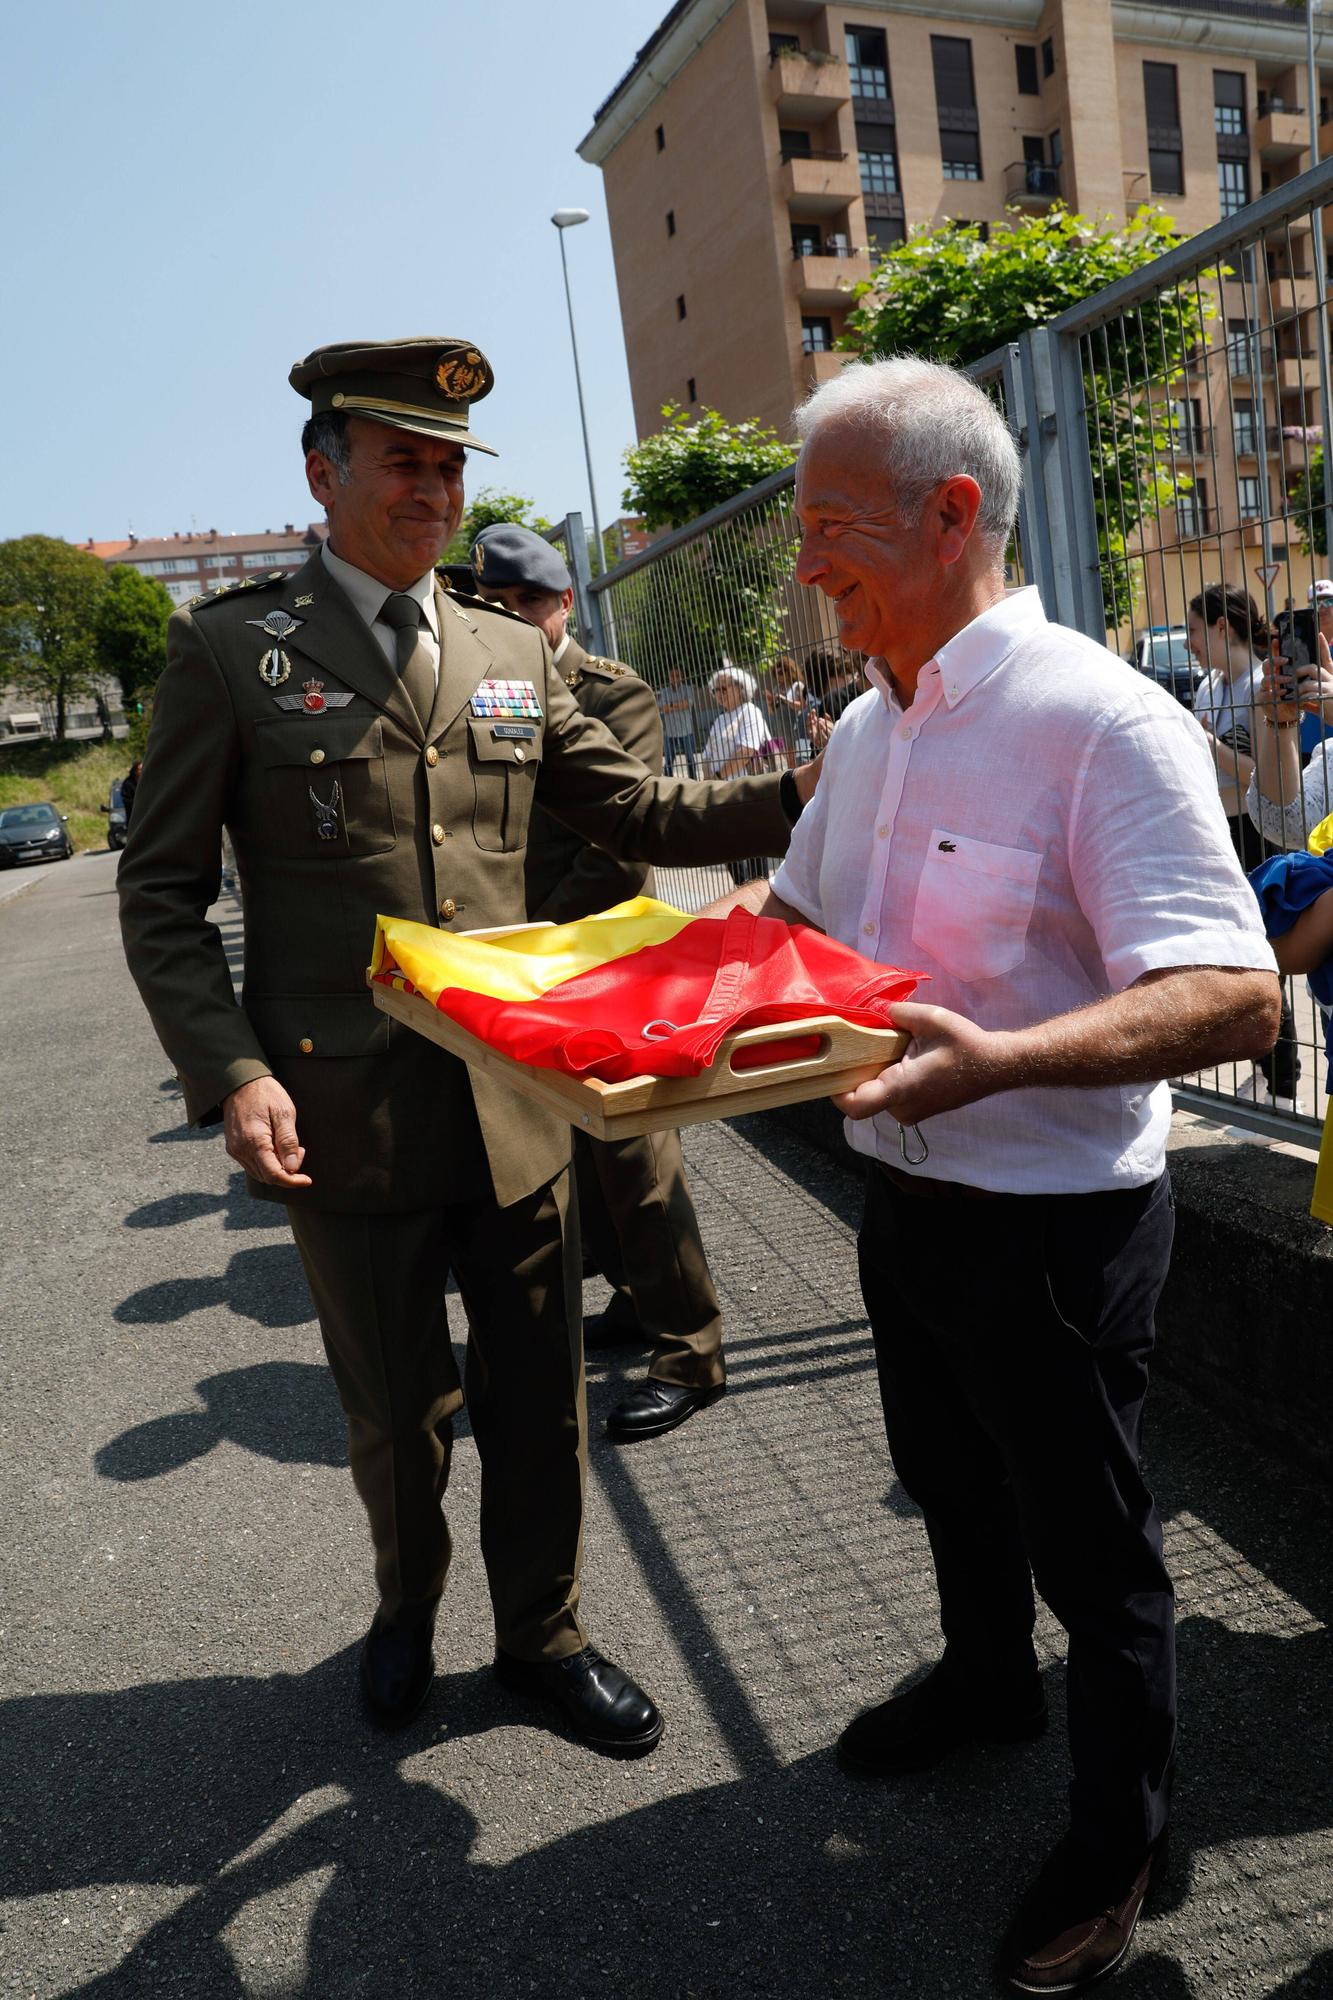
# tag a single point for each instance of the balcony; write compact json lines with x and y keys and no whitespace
{"x":1295,"y":442}
{"x":825,"y":278}
{"x":1282,"y":133}
{"x":819,"y":183}
{"x":1030,"y":185}
{"x":1252,"y":531}
{"x":822,"y":367}
{"x":807,"y":85}
{"x":1297,"y":373}
{"x":1291,"y":295}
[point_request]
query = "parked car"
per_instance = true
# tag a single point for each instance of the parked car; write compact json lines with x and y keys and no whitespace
{"x":117,"y":820}
{"x":33,"y":833}
{"x":1164,"y":655}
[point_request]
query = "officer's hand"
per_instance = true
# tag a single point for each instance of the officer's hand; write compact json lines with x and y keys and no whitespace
{"x":259,"y":1122}
{"x":949,"y":1061}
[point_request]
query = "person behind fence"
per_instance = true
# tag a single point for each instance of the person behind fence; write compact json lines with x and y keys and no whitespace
{"x":1011,"y":813}
{"x":1227,"y":636}
{"x":675,"y":701}
{"x":636,"y":1212}
{"x":1289,"y":792}
{"x":375,"y":744}
{"x":738,"y":742}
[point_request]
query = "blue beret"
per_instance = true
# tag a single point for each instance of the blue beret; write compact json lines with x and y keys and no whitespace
{"x":505,"y":554}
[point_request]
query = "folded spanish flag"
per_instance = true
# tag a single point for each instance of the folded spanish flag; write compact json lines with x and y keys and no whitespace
{"x":641,"y":990}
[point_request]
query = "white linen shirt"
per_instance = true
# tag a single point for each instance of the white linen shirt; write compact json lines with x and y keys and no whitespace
{"x":1039,"y":829}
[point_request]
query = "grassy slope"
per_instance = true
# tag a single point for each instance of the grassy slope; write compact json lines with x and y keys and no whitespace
{"x":76,"y":778}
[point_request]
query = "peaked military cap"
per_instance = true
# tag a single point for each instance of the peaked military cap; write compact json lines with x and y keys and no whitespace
{"x":505,"y":554}
{"x":426,"y":384}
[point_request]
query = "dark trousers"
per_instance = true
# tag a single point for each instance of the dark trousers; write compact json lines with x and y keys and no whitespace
{"x":640,"y":1230}
{"x":1281,"y":1067}
{"x":1012,"y":1337}
{"x":680,"y":746}
{"x":378,"y":1282}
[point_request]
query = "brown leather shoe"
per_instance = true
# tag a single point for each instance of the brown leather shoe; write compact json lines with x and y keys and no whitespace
{"x":1077,"y":1921}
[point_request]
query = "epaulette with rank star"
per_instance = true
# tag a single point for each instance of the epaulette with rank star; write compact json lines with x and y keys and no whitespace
{"x":224,"y":590}
{"x":601,"y":666}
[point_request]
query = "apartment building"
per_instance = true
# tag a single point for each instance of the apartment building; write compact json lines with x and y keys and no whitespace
{"x":757,"y":151}
{"x":188,"y":565}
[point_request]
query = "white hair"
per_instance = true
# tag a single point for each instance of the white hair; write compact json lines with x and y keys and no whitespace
{"x":934,"y":422}
{"x":738,"y":678}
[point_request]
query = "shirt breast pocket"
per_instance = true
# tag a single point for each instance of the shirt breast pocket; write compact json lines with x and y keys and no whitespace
{"x":505,"y":759}
{"x":974,"y":903}
{"x":326,"y":790}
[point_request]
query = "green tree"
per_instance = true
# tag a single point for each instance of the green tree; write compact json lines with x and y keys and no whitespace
{"x":132,"y":630}
{"x":50,"y":601}
{"x":694,"y":464}
{"x":486,"y":509}
{"x":946,"y":294}
{"x":1306,"y":500}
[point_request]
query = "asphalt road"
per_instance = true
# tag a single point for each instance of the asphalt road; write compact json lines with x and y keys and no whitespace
{"x":191,"y":1802}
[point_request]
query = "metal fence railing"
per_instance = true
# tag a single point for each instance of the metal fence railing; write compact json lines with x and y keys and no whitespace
{"x":1172,"y":430}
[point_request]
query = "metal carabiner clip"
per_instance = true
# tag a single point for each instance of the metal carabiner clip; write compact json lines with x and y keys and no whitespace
{"x":922,"y":1156}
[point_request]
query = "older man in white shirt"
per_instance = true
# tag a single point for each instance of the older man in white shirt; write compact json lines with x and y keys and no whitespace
{"x":1014,"y":813}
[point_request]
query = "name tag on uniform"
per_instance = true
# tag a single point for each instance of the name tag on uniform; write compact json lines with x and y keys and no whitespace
{"x":513,"y":732}
{"x":511,"y":701}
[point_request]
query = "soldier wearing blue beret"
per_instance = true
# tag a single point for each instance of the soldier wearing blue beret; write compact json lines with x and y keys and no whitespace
{"x":639,"y":1224}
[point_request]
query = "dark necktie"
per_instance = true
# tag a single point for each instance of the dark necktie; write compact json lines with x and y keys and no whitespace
{"x":416,"y":668}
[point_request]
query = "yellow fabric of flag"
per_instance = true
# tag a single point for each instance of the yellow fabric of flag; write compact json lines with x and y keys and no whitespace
{"x":1321,"y":838}
{"x":527,"y":963}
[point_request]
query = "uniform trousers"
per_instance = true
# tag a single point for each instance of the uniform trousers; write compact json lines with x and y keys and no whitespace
{"x":378,"y":1283}
{"x":640,"y":1230}
{"x":1012,"y":1337}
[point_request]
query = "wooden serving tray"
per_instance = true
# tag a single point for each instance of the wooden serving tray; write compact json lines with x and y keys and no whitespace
{"x":847,"y":1056}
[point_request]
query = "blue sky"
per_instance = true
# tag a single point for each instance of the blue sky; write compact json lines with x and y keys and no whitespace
{"x":195,"y":196}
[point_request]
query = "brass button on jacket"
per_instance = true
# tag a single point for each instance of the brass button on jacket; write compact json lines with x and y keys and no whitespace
{"x":317,"y":756}
{"x":432,"y":755}
{"x":437,"y":834}
{"x":448,"y":908}
{"x":306,"y":1046}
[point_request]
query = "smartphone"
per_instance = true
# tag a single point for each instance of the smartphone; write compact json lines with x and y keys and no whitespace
{"x":1296,"y":637}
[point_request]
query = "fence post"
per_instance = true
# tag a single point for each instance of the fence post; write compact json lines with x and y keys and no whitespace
{"x":1057,"y":483}
{"x":586,"y":606}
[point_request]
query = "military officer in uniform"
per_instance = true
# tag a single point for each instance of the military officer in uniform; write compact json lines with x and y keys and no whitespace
{"x":635,"y":1211}
{"x":373,"y":744}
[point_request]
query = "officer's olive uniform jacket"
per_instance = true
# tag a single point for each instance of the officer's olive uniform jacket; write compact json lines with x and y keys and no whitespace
{"x":566,"y":877}
{"x":432,"y":825}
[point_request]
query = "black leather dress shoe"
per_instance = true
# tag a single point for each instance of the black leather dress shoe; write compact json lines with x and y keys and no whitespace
{"x":657,"y":1407}
{"x":602,"y":1704}
{"x":618,"y":1326}
{"x":915,"y":1729}
{"x":397,"y":1668}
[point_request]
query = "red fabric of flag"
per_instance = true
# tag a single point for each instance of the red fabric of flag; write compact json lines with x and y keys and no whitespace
{"x":663,"y":1011}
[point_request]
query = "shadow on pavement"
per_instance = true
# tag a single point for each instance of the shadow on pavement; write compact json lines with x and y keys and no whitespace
{"x":284,"y":1410}
{"x":238,"y":1209}
{"x":265,"y":1284}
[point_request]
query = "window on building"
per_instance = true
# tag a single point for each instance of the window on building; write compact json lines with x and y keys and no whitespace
{"x":1240,"y":343}
{"x":886,"y":230}
{"x":1192,"y":510}
{"x":1025,"y":60}
{"x":1249,"y":498}
{"x":218,"y":562}
{"x":1048,"y":56}
{"x":1057,"y":148}
{"x":795,"y":145}
{"x":1187,"y":424}
{"x":661,"y":139}
{"x":671,"y":221}
{"x":806,"y":240}
{"x":879,"y":173}
{"x":1034,"y":151}
{"x":1243,"y":426}
{"x":868,"y":62}
{"x":1233,"y":185}
{"x":817,"y":336}
{"x":784,"y":45}
{"x":956,"y":103}
{"x":1161,"y":102}
{"x":1228,"y":102}
{"x":961,"y":156}
{"x":691,"y":394}
{"x":680,"y":305}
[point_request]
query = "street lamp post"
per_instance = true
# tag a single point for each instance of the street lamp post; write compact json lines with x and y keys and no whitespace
{"x":569,"y":218}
